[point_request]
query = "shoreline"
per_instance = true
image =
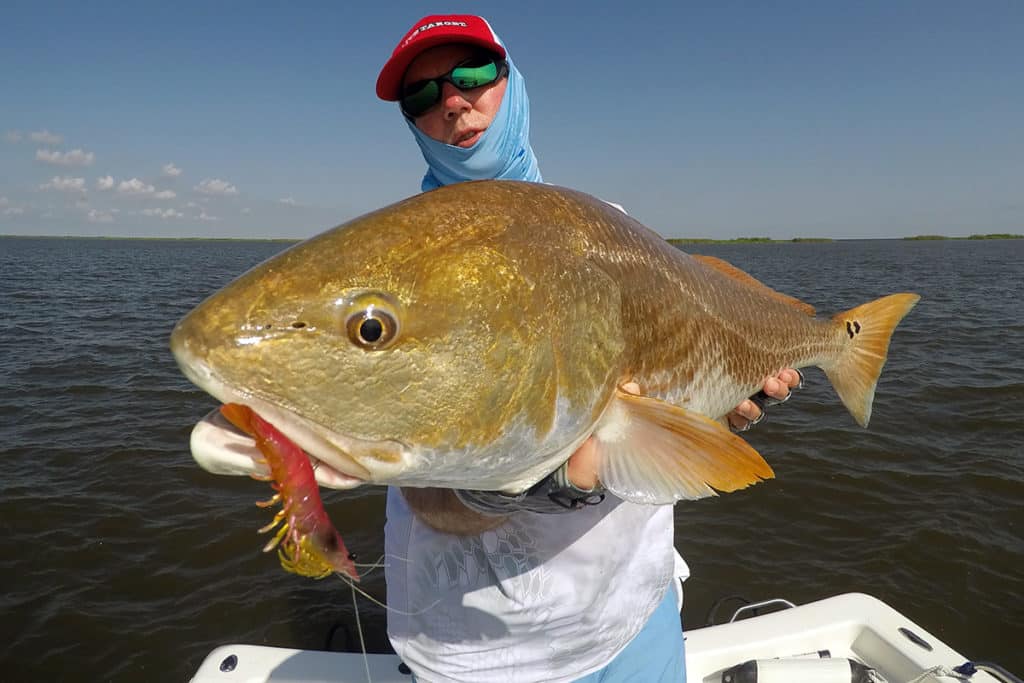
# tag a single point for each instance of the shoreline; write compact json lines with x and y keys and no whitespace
{"x":797,"y":240}
{"x":154,"y":239}
{"x":675,"y":241}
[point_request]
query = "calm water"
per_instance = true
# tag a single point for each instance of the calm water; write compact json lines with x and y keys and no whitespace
{"x":122,"y":560}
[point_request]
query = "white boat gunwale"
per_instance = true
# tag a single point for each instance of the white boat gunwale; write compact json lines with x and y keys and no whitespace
{"x":852,"y":625}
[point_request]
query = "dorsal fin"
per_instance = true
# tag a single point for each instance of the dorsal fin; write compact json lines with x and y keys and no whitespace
{"x":729,"y":270}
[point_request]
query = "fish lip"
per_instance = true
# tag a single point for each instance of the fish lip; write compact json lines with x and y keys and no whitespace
{"x":219,"y":447}
{"x":318,"y":443}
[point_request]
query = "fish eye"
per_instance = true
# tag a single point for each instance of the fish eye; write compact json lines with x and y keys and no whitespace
{"x":372,"y":328}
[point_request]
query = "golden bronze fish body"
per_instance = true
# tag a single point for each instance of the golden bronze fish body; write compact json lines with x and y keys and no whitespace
{"x":518,"y":309}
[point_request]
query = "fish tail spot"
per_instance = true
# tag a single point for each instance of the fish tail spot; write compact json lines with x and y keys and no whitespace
{"x":869,"y":327}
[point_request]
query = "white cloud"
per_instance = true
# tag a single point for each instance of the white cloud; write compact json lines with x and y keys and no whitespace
{"x":75,"y":157}
{"x":163,"y":213}
{"x":203,"y":216}
{"x":45,"y":137}
{"x":171,"y":171}
{"x":191,"y":205}
{"x":65,"y":184}
{"x":14,"y":211}
{"x":13,"y":136}
{"x":4,"y":201}
{"x":135,"y":187}
{"x":216,"y":186}
{"x":246,"y":211}
{"x":97,"y":216}
{"x":288,"y":201}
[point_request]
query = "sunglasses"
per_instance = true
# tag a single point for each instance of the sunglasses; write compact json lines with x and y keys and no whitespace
{"x":419,"y":97}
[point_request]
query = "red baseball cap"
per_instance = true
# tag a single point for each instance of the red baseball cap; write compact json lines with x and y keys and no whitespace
{"x":437,"y":29}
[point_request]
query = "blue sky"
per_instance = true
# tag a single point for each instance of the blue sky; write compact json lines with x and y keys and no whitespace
{"x":847,"y":120}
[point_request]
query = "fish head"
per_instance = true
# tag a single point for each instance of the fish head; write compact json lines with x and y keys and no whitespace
{"x":417,"y":345}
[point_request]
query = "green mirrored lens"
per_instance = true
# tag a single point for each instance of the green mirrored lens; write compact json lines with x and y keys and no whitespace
{"x":465,"y":77}
{"x":415,"y":103}
{"x":423,"y":95}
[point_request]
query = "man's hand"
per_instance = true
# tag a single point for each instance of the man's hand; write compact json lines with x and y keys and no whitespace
{"x":582,"y":467}
{"x":748,"y":413}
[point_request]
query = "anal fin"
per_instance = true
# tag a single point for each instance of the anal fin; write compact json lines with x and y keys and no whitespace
{"x":654,"y":452}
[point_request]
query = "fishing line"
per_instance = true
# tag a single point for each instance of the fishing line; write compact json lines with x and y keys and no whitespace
{"x":371,"y":566}
{"x":355,"y":609}
{"x":379,"y":562}
{"x":377,"y":602}
{"x":359,"y":629}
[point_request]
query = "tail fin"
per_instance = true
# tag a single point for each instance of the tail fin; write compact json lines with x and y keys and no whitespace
{"x":869,"y":326}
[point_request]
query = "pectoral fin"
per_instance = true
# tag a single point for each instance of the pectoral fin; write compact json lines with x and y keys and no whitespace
{"x":654,"y":452}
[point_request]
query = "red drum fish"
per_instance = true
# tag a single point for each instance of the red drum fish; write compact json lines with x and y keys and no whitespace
{"x":475,"y":336}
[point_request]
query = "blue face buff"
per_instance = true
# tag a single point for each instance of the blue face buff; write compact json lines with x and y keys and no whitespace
{"x":503,"y":151}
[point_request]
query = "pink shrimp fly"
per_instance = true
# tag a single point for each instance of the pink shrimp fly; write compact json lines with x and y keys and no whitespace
{"x":307,"y":542}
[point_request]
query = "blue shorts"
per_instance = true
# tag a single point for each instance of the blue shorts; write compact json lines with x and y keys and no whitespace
{"x":656,"y":655}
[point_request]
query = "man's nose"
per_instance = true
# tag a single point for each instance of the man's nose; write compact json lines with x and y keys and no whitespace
{"x":454,"y":101}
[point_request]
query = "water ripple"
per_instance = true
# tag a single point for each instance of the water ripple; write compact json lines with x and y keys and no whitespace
{"x":123,"y":557}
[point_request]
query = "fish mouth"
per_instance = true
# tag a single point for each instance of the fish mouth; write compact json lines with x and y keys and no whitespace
{"x":221,"y":448}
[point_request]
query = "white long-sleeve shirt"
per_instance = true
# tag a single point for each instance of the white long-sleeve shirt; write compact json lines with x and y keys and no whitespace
{"x":541,"y":598}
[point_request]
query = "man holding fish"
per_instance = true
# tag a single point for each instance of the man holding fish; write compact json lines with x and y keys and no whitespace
{"x":539,"y":373}
{"x":481,"y":585}
{"x":503,"y":350}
